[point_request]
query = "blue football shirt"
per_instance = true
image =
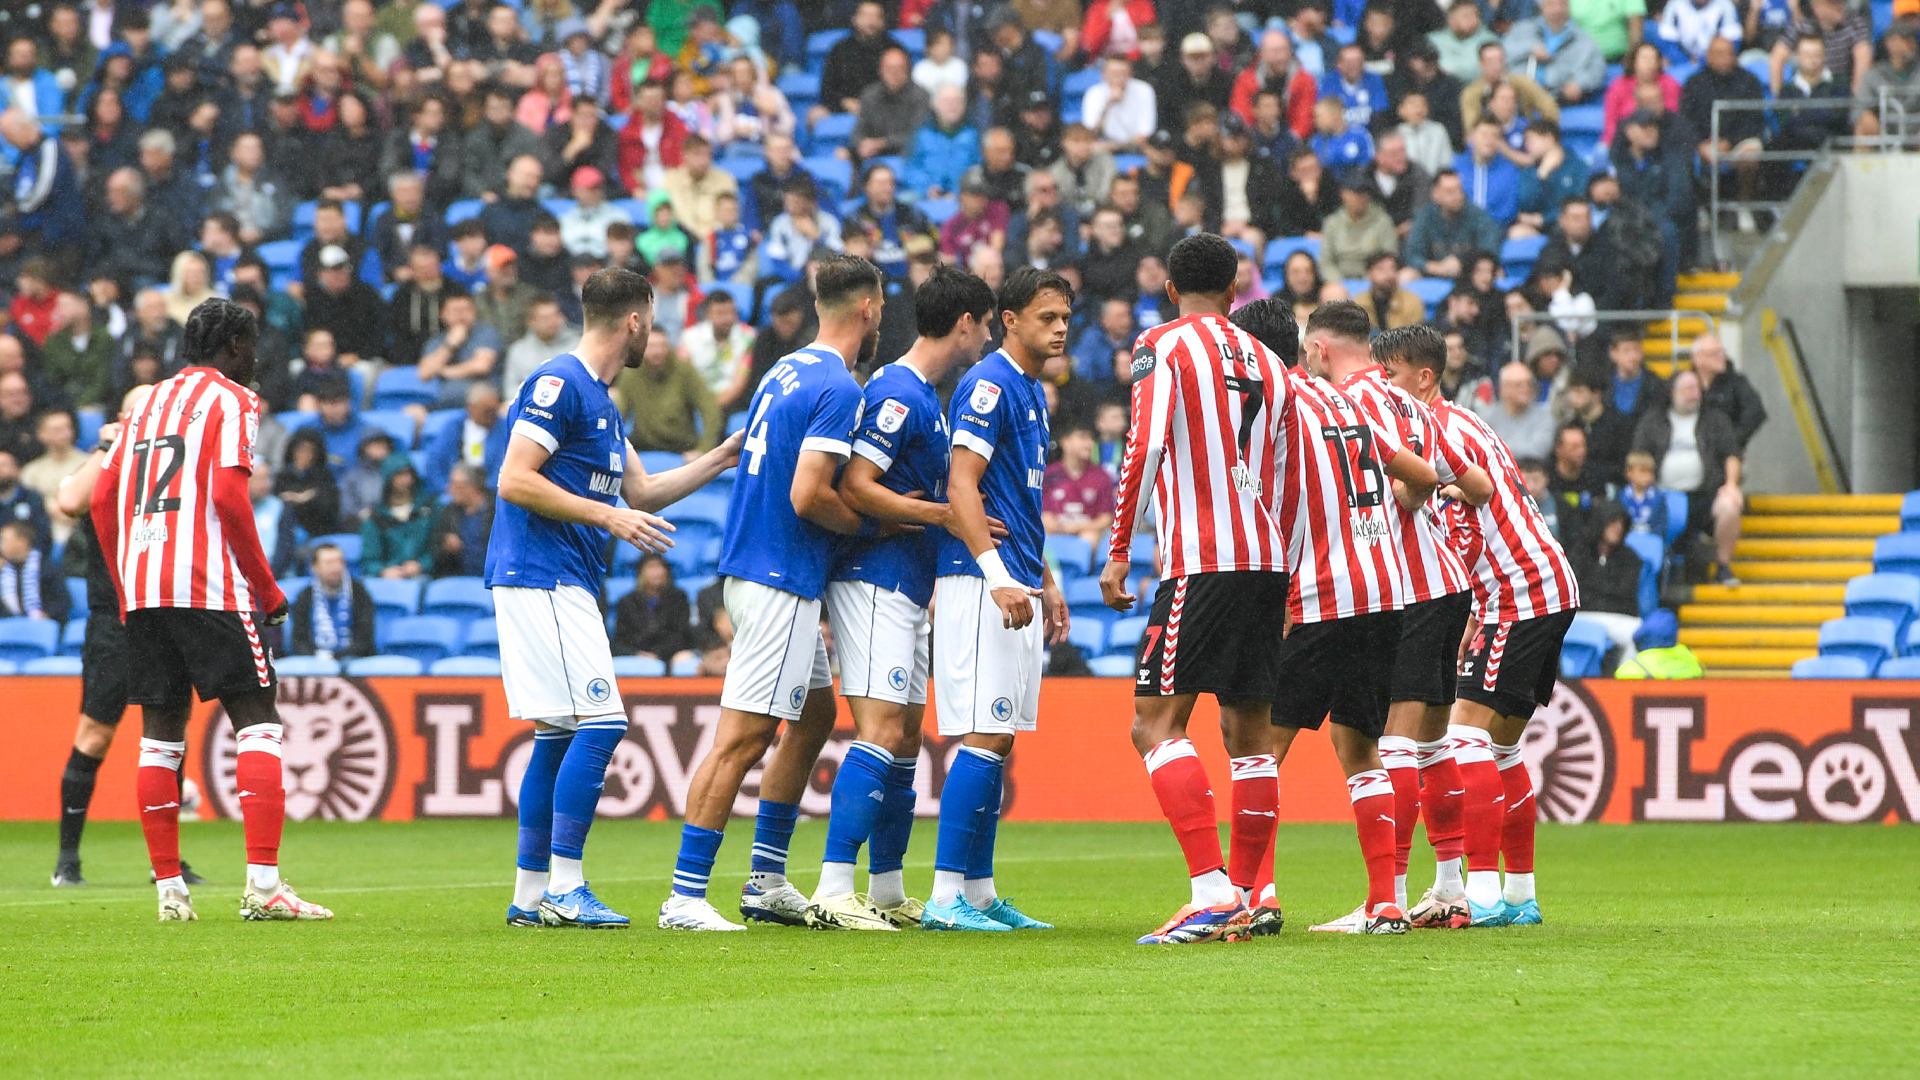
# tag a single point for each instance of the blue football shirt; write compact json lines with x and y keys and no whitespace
{"x":903,"y":431}
{"x":564,"y":407}
{"x":1000,"y":413}
{"x":809,"y":401}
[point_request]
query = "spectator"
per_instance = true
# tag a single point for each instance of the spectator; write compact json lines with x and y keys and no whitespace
{"x":1654,"y":177}
{"x":1809,"y":129}
{"x":77,"y":356}
{"x":20,"y":504}
{"x":1898,"y":75}
{"x":494,"y":144}
{"x":1699,"y":453}
{"x":32,"y":311}
{"x":1043,"y":197}
{"x":1609,"y":434}
{"x":1112,"y":261}
{"x":792,"y":236}
{"x":272,"y":521}
{"x":31,"y":586}
{"x":130,"y":239}
{"x":1533,"y":473}
{"x":250,"y":193}
{"x":1112,"y":27}
{"x":695,"y":184}
{"x":61,"y":459}
{"x":341,"y":429}
{"x":939,"y":67}
{"x":347,"y":307}
{"x":1275,"y":70}
{"x":306,"y":485}
{"x":852,"y":62}
{"x":1199,"y":79}
{"x":1458,"y":45}
{"x":1553,"y":177}
{"x":675,"y":300}
{"x":663,"y":235}
{"x":1427,"y":141}
{"x":394,"y":537}
{"x":509,"y":218}
{"x":48,"y":215}
{"x":190,"y":284}
{"x":729,"y":252}
{"x":170,"y":191}
{"x":944,"y":148}
{"x":1004,"y":177}
{"x":653,"y":620}
{"x":1491,"y":181}
{"x":668,"y":403}
{"x":465,"y":352}
{"x":334,"y":616}
{"x":1633,"y":391}
{"x":789,"y":328}
{"x":408,"y":222}
{"x":1646,"y":70}
{"x":369,"y":50}
{"x":891,"y":109}
{"x":638,"y":63}
{"x":546,"y":265}
{"x":1608,"y":571}
{"x":1401,"y":185}
{"x":1723,"y":389}
{"x":1615,"y":25}
{"x":548,"y":335}
{"x":890,"y":223}
{"x":1530,"y":100}
{"x":1848,"y":39}
{"x":1646,"y":504}
{"x":766,"y":188}
{"x":1076,"y":495}
{"x":151,"y":328}
{"x":1308,"y":197}
{"x":1517,"y":416}
{"x":1272,"y":137}
{"x":463,"y":526}
{"x":1694,"y":25}
{"x":329,"y":230}
{"x":1387,"y":304}
{"x":364,"y":480}
{"x":1120,"y":108}
{"x":720,"y":348}
{"x":1575,"y":485}
{"x":502,"y":301}
{"x":1449,"y":229}
{"x":1351,"y":238}
{"x":414,"y":311}
{"x":1304,"y":289}
{"x":1361,"y":92}
{"x":1339,"y":143}
{"x":1114,"y":332}
{"x":549,"y":102}
{"x":583,"y":229}
{"x":1557,"y":53}
{"x":585,"y":142}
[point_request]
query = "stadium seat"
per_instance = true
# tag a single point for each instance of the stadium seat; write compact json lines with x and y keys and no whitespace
{"x":90,"y":424}
{"x":483,"y":639}
{"x":1893,"y":597}
{"x":659,"y":461}
{"x":558,"y":207}
{"x":702,"y":505}
{"x":1089,"y":637}
{"x":306,"y":665}
{"x":801,"y":85}
{"x":742,"y":294}
{"x":26,"y":639}
{"x":1074,"y":555}
{"x":1583,"y":119}
{"x":363,"y":666}
{"x":280,"y":254}
{"x":830,"y":132}
{"x":1431,"y":291}
{"x":688,"y":555}
{"x":615,"y":589}
{"x":1123,"y":637}
{"x":1282,"y":249}
{"x":1897,"y":553}
{"x":1676,"y":517}
{"x":1831,"y":667}
{"x":77,"y":595}
{"x":1126,"y":163}
{"x":401,"y":386}
{"x":438,"y":421}
{"x":8,"y":667}
{"x":488,"y":666}
{"x":1075,"y":86}
{"x":939,"y":211}
{"x":1867,"y":640}
{"x":1518,"y":255}
{"x":303,"y":219}
{"x":1910,"y":512}
{"x":1585,"y":645}
{"x":73,"y":636}
{"x":464,"y":598}
{"x":639,"y":667}
{"x":394,"y":422}
{"x":1899,"y":667}
{"x":1142,"y":553}
{"x":686,"y":667}
{"x":462,"y":210}
{"x":425,"y":638}
{"x":294,"y":586}
{"x":51,"y":665}
{"x":1653,"y":554}
{"x":1112,"y":667}
{"x":834,"y":176}
{"x":742,"y":169}
{"x":1083,"y":601}
{"x":348,"y":543}
{"x":820,"y":44}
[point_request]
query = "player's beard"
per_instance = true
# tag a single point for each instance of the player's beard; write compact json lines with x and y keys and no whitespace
{"x":869,"y":350}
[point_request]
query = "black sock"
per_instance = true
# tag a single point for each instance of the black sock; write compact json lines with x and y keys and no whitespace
{"x":76,"y":793}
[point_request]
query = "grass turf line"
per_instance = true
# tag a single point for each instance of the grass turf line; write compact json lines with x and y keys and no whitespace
{"x":1668,"y":950}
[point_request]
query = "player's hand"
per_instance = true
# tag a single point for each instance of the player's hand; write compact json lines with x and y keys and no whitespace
{"x":639,"y":528}
{"x":109,"y":434}
{"x":996,"y":529}
{"x":899,"y":528}
{"x":1053,"y":610}
{"x":1473,"y":627}
{"x":1016,"y":606}
{"x":279,"y":614}
{"x":1113,"y":587}
{"x":729,"y":452}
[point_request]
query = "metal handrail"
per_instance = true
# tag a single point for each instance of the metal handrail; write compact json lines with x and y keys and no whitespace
{"x":1672,"y":315}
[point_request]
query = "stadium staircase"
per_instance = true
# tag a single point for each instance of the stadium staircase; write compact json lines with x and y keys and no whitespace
{"x":1703,"y":292}
{"x":1796,"y":555}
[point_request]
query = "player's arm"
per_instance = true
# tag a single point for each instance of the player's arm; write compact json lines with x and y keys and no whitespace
{"x":969,"y":523}
{"x":1417,"y":478}
{"x":1053,"y":608}
{"x":75,"y":494}
{"x":1152,"y":403}
{"x":106,"y":522}
{"x":860,"y":486}
{"x":1473,"y":487}
{"x":523,"y":485}
{"x":654,"y":492}
{"x":814,"y":497}
{"x":234,"y":505}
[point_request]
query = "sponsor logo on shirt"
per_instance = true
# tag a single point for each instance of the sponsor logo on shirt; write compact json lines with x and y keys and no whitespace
{"x":546,"y":389}
{"x":604,"y":484}
{"x":986,"y":397}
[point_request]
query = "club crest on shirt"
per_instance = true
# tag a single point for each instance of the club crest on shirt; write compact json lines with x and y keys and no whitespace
{"x":892,"y":415}
{"x":546,"y":390}
{"x":986,"y":396}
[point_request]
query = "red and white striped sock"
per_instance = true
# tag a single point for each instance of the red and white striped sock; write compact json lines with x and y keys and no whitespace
{"x":1180,"y":783}
{"x":1371,"y":793}
{"x":157,"y":785}
{"x":1443,"y":799}
{"x":1256,"y":797}
{"x":1402,"y":762}
{"x":1518,"y":820}
{"x":1485,"y":812}
{"x":263,"y":800}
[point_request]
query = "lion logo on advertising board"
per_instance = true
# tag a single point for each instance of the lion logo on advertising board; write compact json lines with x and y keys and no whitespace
{"x":336,"y":752}
{"x":1569,"y":752}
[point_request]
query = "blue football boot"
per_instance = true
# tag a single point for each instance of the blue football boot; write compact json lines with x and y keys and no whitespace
{"x":1497,"y":915}
{"x":1003,"y":912}
{"x":578,"y":907}
{"x":1526,"y":913}
{"x":519,"y":916}
{"x":957,"y":914}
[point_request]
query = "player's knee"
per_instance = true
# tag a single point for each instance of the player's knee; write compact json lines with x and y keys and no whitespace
{"x":93,"y":738}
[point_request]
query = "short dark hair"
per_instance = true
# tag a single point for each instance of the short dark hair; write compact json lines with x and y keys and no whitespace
{"x":1485,"y":45}
{"x":1017,"y":293}
{"x":1543,"y":126}
{"x":1271,"y":323}
{"x":1419,"y":345}
{"x":544,"y":222}
{"x":1377,"y":257}
{"x":1343,"y":319}
{"x":1445,"y":172}
{"x":214,"y":326}
{"x":313,"y":557}
{"x":787,"y":302}
{"x":840,"y":278}
{"x":469,"y":227}
{"x":950,"y":293}
{"x":1532,"y":464}
{"x":1203,"y":263}
{"x":611,"y":294}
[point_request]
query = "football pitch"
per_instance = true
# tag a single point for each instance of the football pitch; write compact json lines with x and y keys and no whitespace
{"x":1668,"y":951}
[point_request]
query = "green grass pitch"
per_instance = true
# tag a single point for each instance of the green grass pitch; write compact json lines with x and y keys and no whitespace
{"x":1726,"y":951}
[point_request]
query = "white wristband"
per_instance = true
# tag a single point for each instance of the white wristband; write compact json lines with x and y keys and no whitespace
{"x":995,"y":571}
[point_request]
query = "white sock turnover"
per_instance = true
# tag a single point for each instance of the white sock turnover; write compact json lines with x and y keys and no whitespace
{"x":980,"y":892}
{"x":1483,"y":887}
{"x":1519,"y":888}
{"x":263,"y":878}
{"x":1213,"y":887}
{"x":947,"y":885}
{"x":1446,"y":878}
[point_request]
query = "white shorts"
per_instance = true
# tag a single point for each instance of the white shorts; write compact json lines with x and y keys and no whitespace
{"x":881,"y":637}
{"x":554,"y":656}
{"x":778,"y":655}
{"x":986,"y":677}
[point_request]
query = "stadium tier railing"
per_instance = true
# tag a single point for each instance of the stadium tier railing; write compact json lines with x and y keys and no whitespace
{"x":1673,"y":316}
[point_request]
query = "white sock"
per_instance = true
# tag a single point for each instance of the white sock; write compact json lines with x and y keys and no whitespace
{"x":176,"y":883}
{"x":888,"y":889}
{"x":1519,"y":888}
{"x":980,"y":892}
{"x":1483,"y":887}
{"x":836,"y":879}
{"x":767,"y":881}
{"x":528,"y":887}
{"x":1400,"y":890}
{"x":263,"y":878}
{"x":1213,"y":887}
{"x":565,"y":877}
{"x":1266,"y":892}
{"x":1446,"y":878}
{"x":947,"y":885}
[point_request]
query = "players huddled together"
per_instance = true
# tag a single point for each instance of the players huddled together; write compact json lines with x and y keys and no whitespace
{"x":1337,"y":542}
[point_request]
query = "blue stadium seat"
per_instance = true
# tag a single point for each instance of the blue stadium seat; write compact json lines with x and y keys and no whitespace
{"x":1074,"y":555}
{"x":1083,"y":598}
{"x":1075,"y":86}
{"x":361,"y":667}
{"x":51,"y":665}
{"x":303,"y":219}
{"x":1146,"y":589}
{"x":306,"y":665}
{"x":280,"y":254}
{"x":1832,"y":667}
{"x":74,"y":635}
{"x":1893,"y":597}
{"x":1518,"y":255}
{"x":28,"y":639}
{"x":829,"y":132}
{"x":1585,"y":119}
{"x":639,"y":667}
{"x":1049,"y":42}
{"x":834,"y":176}
{"x":394,"y":422}
{"x":1676,"y":517}
{"x":558,"y":207}
{"x":692,"y":543}
{"x":616,"y":587}
{"x":820,"y":44}
{"x":1431,"y":291}
{"x":1865,"y":639}
{"x":939,"y":211}
{"x":742,"y":294}
{"x":1653,"y":554}
{"x":462,"y":210}
{"x":463,"y":598}
{"x":294,"y":586}
{"x":1910,"y":512}
{"x":90,"y":425}
{"x":1899,"y":667}
{"x":8,"y":667}
{"x":374,"y":214}
{"x":1112,"y":667}
{"x":425,"y":638}
{"x":1142,"y":553}
{"x":686,"y":667}
{"x":659,"y":461}
{"x":1123,"y":637}
{"x":487,"y":666}
{"x":913,"y":40}
{"x":1897,"y":553}
{"x":401,"y":386}
{"x":1089,"y":637}
{"x":743,"y":169}
{"x":295,"y":419}
{"x":1126,"y":163}
{"x":348,"y":543}
{"x":1281,"y":249}
{"x":77,"y":594}
{"x":483,"y":639}
{"x":438,"y":421}
{"x":1580,"y":654}
{"x":799,"y":84}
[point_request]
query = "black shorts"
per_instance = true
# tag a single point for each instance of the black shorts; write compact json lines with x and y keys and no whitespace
{"x":1343,"y":667}
{"x":173,"y":652}
{"x":1511,"y":667}
{"x":1428,"y":665}
{"x":103,"y":668}
{"x":1223,"y":639}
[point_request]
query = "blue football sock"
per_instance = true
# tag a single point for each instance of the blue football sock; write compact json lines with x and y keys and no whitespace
{"x":970,"y":784}
{"x":576,"y":791}
{"x":536,"y":798}
{"x":859,"y":792}
{"x":887,"y":851}
{"x":698,"y":848}
{"x":980,"y":860}
{"x":772,"y":834}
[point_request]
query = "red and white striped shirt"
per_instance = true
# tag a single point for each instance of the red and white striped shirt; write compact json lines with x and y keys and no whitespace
{"x":172,"y":551}
{"x":1208,"y":408}
{"x":1519,"y":571}
{"x":1433,"y":569}
{"x":1334,"y":508}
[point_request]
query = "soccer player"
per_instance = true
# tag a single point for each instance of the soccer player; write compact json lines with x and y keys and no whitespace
{"x":567,"y":465}
{"x":877,"y":599}
{"x":1422,"y":689}
{"x":1349,"y":586}
{"x":171,"y":508}
{"x":988,"y":645}
{"x":781,"y":525}
{"x":1208,"y":432}
{"x":1524,"y":599}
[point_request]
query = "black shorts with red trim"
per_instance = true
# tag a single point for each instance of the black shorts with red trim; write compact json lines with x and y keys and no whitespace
{"x":173,"y":652}
{"x":1214,"y":634}
{"x":1428,"y":665}
{"x":1341,"y":668}
{"x":1511,"y":667}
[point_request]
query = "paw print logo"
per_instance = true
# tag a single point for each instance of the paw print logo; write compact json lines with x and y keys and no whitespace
{"x":1846,"y":782}
{"x":897,"y":678}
